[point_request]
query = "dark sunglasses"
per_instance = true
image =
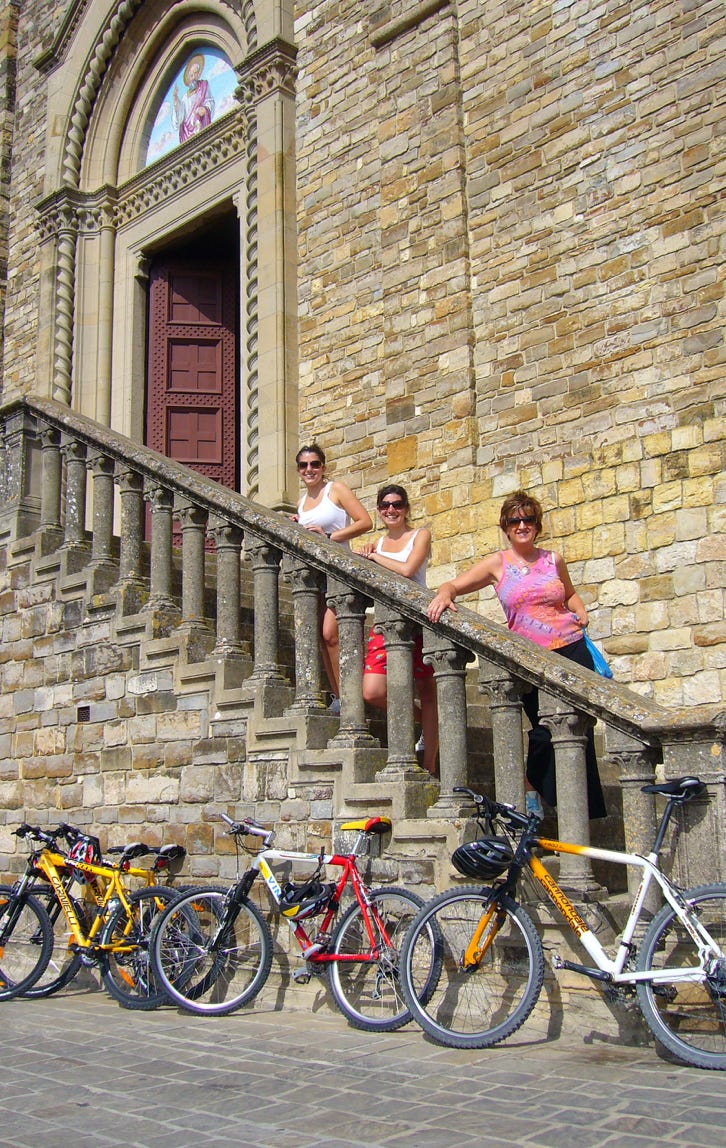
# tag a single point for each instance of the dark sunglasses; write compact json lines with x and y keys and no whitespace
{"x":396,"y":504}
{"x":310,"y":465}
{"x":527,"y":519}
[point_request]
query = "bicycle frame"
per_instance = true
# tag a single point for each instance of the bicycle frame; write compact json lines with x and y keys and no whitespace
{"x":50,"y":865}
{"x":314,"y":950}
{"x":613,"y":968}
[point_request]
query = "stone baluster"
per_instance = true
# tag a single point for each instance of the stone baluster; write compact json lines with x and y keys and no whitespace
{"x":102,"y":469}
{"x":74,"y":453}
{"x":228,"y":541}
{"x":131,"y":493}
{"x":193,"y":521}
{"x":21,"y":510}
{"x":505,"y":691}
{"x":350,"y":610}
{"x":568,"y":729}
{"x":636,"y":767}
{"x":161,"y":506}
{"x":266,"y":670}
{"x":50,"y":489}
{"x":449,"y":662}
{"x":307,"y":586}
{"x":398,"y":633}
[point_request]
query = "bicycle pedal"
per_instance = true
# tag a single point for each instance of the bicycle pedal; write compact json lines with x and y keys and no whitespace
{"x":301,"y":976}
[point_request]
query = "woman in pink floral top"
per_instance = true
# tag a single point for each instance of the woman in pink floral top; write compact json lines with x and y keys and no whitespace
{"x":536,"y":593}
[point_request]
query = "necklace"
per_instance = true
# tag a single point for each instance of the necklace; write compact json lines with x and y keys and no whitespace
{"x":525,"y":567}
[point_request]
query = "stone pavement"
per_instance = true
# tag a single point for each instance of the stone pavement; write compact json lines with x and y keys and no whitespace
{"x":78,"y":1070}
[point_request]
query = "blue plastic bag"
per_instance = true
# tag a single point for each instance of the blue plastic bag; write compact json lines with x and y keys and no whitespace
{"x":599,"y":664}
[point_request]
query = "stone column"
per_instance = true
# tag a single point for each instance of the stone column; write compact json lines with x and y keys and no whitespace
{"x":350,"y":610}
{"x":193,"y":521}
{"x":102,"y":469}
{"x":569,"y":737}
{"x":161,"y":505}
{"x":268,"y":236}
{"x":307,"y":586}
{"x":105,"y":314}
{"x":131,"y":491}
{"x":50,"y":490}
{"x":398,"y":633}
{"x":65,"y":296}
{"x":266,"y":669}
{"x":636,"y":767}
{"x":449,"y":663}
{"x":74,"y":453}
{"x":505,"y":691}
{"x":228,"y":540}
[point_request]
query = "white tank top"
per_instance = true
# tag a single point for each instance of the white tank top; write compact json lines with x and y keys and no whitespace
{"x":326,"y":514}
{"x":402,"y":555}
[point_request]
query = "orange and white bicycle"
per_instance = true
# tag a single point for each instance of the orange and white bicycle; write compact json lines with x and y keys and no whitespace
{"x":488,"y":959}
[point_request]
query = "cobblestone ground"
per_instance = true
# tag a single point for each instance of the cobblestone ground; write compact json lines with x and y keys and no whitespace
{"x":78,"y":1070}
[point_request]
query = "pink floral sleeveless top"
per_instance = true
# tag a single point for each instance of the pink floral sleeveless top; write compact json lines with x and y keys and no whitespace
{"x":533,"y":600}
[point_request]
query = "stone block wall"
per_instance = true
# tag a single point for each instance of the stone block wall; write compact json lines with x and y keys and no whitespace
{"x":511,"y":233}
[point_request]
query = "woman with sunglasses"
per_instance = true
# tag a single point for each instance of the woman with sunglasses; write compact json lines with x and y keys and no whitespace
{"x":330,"y":509}
{"x":536,"y":593}
{"x":406,"y":551}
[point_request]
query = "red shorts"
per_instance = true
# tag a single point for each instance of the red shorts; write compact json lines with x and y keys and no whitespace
{"x":375,"y":662}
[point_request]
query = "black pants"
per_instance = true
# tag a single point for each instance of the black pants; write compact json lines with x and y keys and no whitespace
{"x":541,"y":755}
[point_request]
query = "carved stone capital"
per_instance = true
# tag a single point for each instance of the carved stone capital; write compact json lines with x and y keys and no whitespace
{"x":271,"y":70}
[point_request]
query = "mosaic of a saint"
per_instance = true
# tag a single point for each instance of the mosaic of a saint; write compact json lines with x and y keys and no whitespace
{"x":195,"y":109}
{"x":200,"y":92}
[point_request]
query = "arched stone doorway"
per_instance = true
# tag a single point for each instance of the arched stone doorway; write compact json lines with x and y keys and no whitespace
{"x":113,"y":211}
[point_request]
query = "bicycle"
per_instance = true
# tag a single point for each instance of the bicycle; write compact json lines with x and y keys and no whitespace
{"x":211,"y":949}
{"x":112,"y":936}
{"x":489,"y":957}
{"x":66,"y":961}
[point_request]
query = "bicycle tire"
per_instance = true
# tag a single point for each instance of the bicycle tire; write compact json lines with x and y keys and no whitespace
{"x":687,"y":1018}
{"x":26,"y":950}
{"x":63,"y":965}
{"x":368,"y":993}
{"x":128,"y":977}
{"x":202,"y":980}
{"x":479,"y":1006}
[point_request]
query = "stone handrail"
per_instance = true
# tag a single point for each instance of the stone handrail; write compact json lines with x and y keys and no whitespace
{"x":51,"y":498}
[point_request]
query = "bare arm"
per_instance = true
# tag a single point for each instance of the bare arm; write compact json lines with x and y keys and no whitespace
{"x":573,"y":601}
{"x":484,"y":573}
{"x":360,"y":519}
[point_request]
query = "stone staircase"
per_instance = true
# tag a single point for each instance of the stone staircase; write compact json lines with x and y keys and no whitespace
{"x":144,"y":688}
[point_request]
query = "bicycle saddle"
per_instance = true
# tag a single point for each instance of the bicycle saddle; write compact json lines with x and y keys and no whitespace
{"x":368,"y":825}
{"x":680,"y":789}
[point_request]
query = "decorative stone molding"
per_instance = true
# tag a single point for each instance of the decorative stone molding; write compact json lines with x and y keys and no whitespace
{"x":391,"y":29}
{"x":270,"y":70}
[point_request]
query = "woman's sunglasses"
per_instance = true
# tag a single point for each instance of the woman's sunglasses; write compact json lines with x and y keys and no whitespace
{"x":526,"y":519}
{"x":395,"y":504}
{"x":316,"y":465}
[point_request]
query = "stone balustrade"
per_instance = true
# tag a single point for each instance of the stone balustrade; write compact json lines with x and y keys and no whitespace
{"x":58,"y":478}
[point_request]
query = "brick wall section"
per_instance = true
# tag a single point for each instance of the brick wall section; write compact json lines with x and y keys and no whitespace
{"x":586,"y":285}
{"x":38,"y":20}
{"x":8,"y":59}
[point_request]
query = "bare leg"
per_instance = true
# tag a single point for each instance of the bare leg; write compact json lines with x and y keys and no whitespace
{"x":375,"y":690}
{"x":329,"y":647}
{"x":429,"y":722}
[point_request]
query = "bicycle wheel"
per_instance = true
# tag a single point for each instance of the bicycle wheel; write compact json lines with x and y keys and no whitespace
{"x":479,"y":1005}
{"x":211,"y":956}
{"x":688,"y":1017}
{"x":27,"y":942}
{"x":64,"y":965}
{"x":127,"y":974}
{"x":369,"y":992}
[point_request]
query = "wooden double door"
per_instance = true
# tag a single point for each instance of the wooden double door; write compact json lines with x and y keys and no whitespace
{"x":192,"y":393}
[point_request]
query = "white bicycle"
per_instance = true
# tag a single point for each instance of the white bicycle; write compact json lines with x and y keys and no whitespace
{"x":487,"y":955}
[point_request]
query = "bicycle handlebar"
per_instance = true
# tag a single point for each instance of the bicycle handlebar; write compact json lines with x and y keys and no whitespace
{"x":247,"y":825}
{"x":488,"y":809}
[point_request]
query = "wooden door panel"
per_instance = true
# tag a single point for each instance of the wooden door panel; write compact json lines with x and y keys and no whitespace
{"x":191,"y":387}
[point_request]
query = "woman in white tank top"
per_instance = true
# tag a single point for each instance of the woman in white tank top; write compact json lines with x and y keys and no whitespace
{"x":330,"y":509}
{"x":406,"y":551}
